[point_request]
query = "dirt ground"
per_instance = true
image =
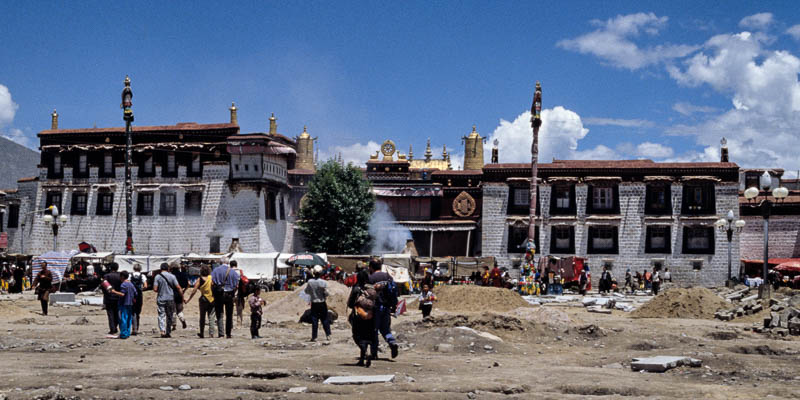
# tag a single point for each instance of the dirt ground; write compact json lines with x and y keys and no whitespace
{"x":552,"y":351}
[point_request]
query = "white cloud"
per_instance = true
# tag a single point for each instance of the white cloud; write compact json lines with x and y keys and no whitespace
{"x":756,"y":21}
{"x":17,"y":135}
{"x":625,"y":123}
{"x":653,"y":150}
{"x":689,"y":109}
{"x":7,"y":106}
{"x":356,"y":153}
{"x":763,"y":123}
{"x":599,"y":152}
{"x":611,"y":42}
{"x":558,"y":136}
{"x":794,"y":32}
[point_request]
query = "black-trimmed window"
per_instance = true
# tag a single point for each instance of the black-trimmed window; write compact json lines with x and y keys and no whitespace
{"x":194,"y":168}
{"x":752,"y":179}
{"x":53,"y":199}
{"x":107,"y":170}
{"x":603,"y":240}
{"x":658,"y":239}
{"x":698,"y":240}
{"x":169,"y":168}
{"x":81,"y":166}
{"x":602,"y":199}
{"x":518,"y":238}
{"x":699,"y":199}
{"x":105,"y":203}
{"x":270,"y":211}
{"x":53,"y":162}
{"x":144,"y":203}
{"x":168,"y":204}
{"x":13,"y":215}
{"x":658,"y":199}
{"x":146,"y":168}
{"x":78,"y":206}
{"x":562,"y":239}
{"x":519,"y":200}
{"x":193,"y":202}
{"x":562,"y":200}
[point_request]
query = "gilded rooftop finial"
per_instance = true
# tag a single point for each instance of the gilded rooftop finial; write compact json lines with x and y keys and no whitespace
{"x":54,"y":120}
{"x":234,"y":118}
{"x":273,"y":125}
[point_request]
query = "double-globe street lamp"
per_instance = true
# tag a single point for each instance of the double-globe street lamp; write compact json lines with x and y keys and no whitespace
{"x":729,"y":224}
{"x":55,"y":221}
{"x":751,"y":194}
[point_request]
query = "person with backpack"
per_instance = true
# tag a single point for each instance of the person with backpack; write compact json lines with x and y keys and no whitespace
{"x":317,"y":290}
{"x":166,"y":285}
{"x":127,"y":296}
{"x":385,"y":306}
{"x":362,"y":301}
{"x":110,"y":300}
{"x":139,"y":282}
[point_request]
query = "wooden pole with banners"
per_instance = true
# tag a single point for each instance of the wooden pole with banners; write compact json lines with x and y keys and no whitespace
{"x":536,"y":122}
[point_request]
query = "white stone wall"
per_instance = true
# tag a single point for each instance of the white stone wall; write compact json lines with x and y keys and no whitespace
{"x":224,"y":212}
{"x":784,"y":237}
{"x":631,"y":223}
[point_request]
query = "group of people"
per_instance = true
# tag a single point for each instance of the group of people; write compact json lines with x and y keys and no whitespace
{"x":13,"y":278}
{"x":646,"y":280}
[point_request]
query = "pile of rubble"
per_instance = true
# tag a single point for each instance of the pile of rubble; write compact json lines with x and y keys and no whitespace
{"x":741,"y":303}
{"x":784,"y":318}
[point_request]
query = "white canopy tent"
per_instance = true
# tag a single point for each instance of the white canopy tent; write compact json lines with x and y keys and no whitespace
{"x":256,"y":265}
{"x":149,"y":263}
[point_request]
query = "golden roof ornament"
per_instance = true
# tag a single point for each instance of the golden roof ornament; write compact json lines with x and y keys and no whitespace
{"x":410,"y":153}
{"x":474,"y":133}
{"x":54,"y":120}
{"x":234,"y":118}
{"x":428,"y":152}
{"x":273,"y":125}
{"x":305,"y":134}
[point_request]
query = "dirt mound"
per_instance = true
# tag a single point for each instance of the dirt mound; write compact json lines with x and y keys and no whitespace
{"x":292,"y":306}
{"x":470,"y":298}
{"x":695,"y":303}
{"x":8,"y":309}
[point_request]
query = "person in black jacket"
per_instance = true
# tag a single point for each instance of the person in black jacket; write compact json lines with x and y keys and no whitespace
{"x":362,"y":328}
{"x":383,"y":311}
{"x":110,"y":300}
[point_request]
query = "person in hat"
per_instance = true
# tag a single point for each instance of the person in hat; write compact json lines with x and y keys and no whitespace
{"x":317,"y":290}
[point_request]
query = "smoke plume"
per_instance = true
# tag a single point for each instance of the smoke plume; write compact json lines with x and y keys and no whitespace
{"x":387,"y":235}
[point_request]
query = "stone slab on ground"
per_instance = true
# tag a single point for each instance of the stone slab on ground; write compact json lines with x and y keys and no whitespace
{"x":598,"y":309}
{"x":62,"y":297}
{"x":359,"y":379}
{"x":663,"y":363}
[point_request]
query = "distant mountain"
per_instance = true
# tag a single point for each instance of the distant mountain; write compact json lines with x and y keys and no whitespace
{"x":16,"y":161}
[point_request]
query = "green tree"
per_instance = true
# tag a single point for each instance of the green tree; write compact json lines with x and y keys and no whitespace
{"x":334,"y":217}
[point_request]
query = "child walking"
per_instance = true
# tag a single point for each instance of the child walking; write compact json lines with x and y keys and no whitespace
{"x":127,"y":298}
{"x":426,"y":299}
{"x":256,"y":302}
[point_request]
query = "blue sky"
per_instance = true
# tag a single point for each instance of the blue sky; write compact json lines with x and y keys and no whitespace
{"x":660,"y":80}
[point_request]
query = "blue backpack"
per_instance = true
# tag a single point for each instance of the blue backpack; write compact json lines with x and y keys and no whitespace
{"x":387,"y":293}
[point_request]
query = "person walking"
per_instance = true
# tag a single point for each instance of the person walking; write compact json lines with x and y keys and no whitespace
{"x":256,"y":303}
{"x":18,"y":276}
{"x":42,"y":285}
{"x":139,"y":281}
{"x":127,"y":297}
{"x":629,"y":281}
{"x":166,"y":285}
{"x":110,"y":300}
{"x":317,"y":290}
{"x":176,"y":270}
{"x":656,"y":282}
{"x":386,"y":303}
{"x":225,"y":280}
{"x":362,"y":301}
{"x":583,"y":282}
{"x":203,"y":284}
{"x":426,"y":299}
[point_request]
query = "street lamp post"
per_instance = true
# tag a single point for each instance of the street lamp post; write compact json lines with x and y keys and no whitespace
{"x":55,"y":221}
{"x":127,"y":115}
{"x":728,"y":225}
{"x":751,"y":194}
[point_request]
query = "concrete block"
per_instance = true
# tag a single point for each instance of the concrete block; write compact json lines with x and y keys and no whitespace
{"x":359,"y":379}
{"x":757,"y":308}
{"x":598,"y":309}
{"x":663,"y":363}
{"x":62,"y":297}
{"x":775,"y":320}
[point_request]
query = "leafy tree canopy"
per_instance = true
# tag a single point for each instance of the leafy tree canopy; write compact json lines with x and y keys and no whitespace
{"x":334,"y":217}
